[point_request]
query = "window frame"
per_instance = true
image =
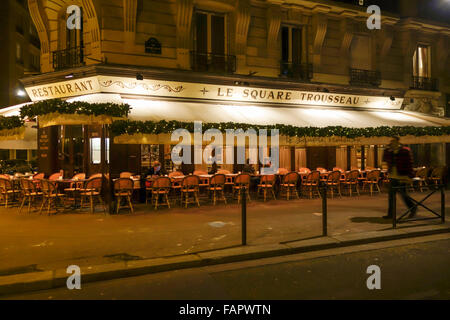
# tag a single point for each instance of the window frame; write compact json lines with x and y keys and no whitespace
{"x":416,"y":60}
{"x":209,"y":14}
{"x":91,"y":151}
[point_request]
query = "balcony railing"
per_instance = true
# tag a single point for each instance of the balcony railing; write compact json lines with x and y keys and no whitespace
{"x":211,"y":62}
{"x":303,"y":71}
{"x":365,"y":78}
{"x":68,"y":58}
{"x":422,"y":83}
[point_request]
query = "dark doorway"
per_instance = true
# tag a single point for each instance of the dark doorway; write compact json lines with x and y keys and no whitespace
{"x":323,"y":157}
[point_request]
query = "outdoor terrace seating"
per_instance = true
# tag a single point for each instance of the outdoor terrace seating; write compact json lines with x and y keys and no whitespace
{"x":242,"y":181}
{"x":334,"y":183}
{"x":216,"y":188}
{"x":267,"y":185}
{"x":123,"y":190}
{"x":29,"y":193}
{"x":160,"y":190}
{"x":51,"y":197}
{"x":351,"y":182}
{"x":91,"y":191}
{"x":289,"y":185}
{"x":373,"y":181}
{"x":311,"y":184}
{"x":190,"y":190}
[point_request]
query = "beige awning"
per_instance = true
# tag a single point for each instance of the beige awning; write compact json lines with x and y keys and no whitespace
{"x":24,"y":138}
{"x":157,"y":110}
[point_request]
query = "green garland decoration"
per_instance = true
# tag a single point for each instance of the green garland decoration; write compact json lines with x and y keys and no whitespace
{"x":10,"y":122}
{"x":44,"y":107}
{"x":150,"y":127}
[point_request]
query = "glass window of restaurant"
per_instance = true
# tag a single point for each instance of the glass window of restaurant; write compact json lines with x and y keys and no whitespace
{"x":71,"y":148}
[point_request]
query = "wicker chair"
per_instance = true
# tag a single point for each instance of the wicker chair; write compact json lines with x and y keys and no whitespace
{"x":91,"y":191}
{"x":176,"y":183}
{"x":229,"y":181}
{"x":161,"y":188}
{"x":283,"y":171}
{"x":334,"y":183}
{"x":420,"y":179}
{"x":311,"y":183}
{"x":216,"y":188}
{"x":437,"y":175}
{"x":39,"y":176}
{"x":289,"y":185}
{"x":372,"y":179}
{"x":55,"y":176}
{"x":148,"y":188}
{"x":190,"y":186}
{"x":123,"y":189}
{"x":241,"y":181}
{"x":76,"y":185}
{"x":50,"y":196}
{"x":7,"y":191}
{"x":267,"y":183}
{"x":204,"y":182}
{"x":352,"y":182}
{"x":29,"y":193}
{"x":125,"y":175}
{"x":304,"y":173}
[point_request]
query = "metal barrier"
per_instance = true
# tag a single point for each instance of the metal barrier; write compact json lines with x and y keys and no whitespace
{"x":244,"y":213}
{"x":402,"y":219}
{"x":244,"y":216}
{"x":324,"y":211}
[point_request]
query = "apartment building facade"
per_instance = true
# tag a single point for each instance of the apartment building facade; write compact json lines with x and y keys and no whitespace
{"x":315,"y":47}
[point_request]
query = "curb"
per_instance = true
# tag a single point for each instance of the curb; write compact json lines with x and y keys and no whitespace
{"x":35,"y":281}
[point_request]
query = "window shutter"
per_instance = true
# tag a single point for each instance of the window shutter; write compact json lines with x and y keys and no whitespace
{"x":201,"y":32}
{"x":218,"y":34}
{"x":296,"y":46}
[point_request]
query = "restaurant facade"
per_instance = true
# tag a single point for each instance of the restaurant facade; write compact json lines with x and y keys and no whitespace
{"x":279,"y":64}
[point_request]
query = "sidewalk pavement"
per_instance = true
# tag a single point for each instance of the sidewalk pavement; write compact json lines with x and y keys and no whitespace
{"x":35,"y":250}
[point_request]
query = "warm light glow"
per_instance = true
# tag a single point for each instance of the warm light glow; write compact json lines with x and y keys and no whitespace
{"x":21,"y":93}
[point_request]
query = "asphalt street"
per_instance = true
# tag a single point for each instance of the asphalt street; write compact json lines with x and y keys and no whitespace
{"x":415,"y":268}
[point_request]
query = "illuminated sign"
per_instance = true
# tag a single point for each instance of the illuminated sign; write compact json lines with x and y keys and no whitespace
{"x":195,"y":91}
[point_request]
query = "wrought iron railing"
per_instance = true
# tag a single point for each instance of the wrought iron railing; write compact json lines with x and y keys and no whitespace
{"x":211,"y":62}
{"x":68,"y":58}
{"x":359,"y":77}
{"x":300,"y":71}
{"x":422,"y":83}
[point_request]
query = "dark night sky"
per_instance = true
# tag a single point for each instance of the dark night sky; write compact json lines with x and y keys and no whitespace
{"x":438,"y":10}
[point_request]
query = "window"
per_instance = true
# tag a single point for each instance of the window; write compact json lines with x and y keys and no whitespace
{"x":35,"y":63}
{"x":19,"y":53}
{"x":360,"y":53}
{"x":210,"y":44}
{"x":294,"y":57}
{"x":291,"y":47}
{"x":95,"y":147}
{"x":19,"y":25}
{"x":421,"y":62}
{"x":22,"y":154}
{"x":149,"y":154}
{"x":73,"y":38}
{"x":210,"y":33}
{"x":4,"y":154}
